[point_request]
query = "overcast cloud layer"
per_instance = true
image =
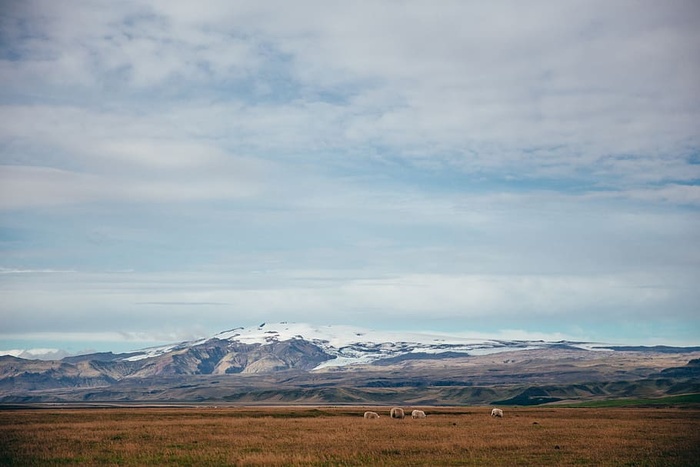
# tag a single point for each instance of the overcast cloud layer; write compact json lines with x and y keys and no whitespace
{"x":171,"y":169}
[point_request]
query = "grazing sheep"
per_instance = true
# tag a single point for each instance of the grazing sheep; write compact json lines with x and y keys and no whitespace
{"x":397,"y":412}
{"x":497,"y":413}
{"x":417,"y":414}
{"x":369,"y":415}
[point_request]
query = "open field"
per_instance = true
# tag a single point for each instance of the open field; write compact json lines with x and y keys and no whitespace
{"x":687,"y":400}
{"x":340,"y":436}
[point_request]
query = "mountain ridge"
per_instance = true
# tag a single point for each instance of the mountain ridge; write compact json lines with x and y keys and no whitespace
{"x":285,"y":362}
{"x":348,"y":345}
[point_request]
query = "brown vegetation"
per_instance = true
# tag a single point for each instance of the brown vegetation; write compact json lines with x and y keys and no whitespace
{"x":340,"y":436}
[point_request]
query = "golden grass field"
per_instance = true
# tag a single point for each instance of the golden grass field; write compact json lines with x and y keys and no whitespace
{"x":340,"y":436}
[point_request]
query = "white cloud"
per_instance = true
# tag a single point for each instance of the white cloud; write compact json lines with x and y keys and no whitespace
{"x":27,"y":187}
{"x":458,"y":160}
{"x":160,"y":155}
{"x":79,"y":156}
{"x":93,"y":301}
{"x":476,"y":83}
{"x":36,"y":354}
{"x":674,"y":194}
{"x":39,"y":186}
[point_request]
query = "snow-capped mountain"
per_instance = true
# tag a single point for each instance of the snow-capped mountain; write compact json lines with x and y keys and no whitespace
{"x":350,"y":345}
{"x":302,"y":363}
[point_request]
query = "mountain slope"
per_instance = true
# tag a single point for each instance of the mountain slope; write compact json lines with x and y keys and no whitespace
{"x":348,"y":345}
{"x":287,"y":362}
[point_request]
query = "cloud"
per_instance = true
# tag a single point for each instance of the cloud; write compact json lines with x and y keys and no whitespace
{"x":81,"y":156}
{"x":29,"y":186}
{"x":475,"y":162}
{"x":37,"y":354}
{"x":34,"y":271}
{"x":482,"y":83}
{"x":90,"y":300}
{"x":674,"y":194}
{"x":24,"y":187}
{"x":137,"y":338}
{"x":469,"y":86}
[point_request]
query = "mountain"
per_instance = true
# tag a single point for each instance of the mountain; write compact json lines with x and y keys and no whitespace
{"x":300,"y":363}
{"x":345,"y":345}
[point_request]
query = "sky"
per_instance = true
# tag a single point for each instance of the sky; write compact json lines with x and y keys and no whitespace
{"x":172,"y":169}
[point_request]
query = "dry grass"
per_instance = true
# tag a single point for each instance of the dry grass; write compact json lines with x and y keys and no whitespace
{"x":340,"y":436}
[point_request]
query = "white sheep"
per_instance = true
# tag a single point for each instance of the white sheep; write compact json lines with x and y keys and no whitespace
{"x":497,"y":413}
{"x":417,"y":414}
{"x":397,"y":412}
{"x":370,"y":415}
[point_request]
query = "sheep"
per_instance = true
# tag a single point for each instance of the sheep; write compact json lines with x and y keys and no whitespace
{"x":370,"y":415}
{"x":497,"y":413}
{"x":417,"y":414}
{"x":397,"y":412}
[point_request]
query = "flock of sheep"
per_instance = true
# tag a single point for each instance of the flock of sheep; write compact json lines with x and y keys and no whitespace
{"x":398,"y":412}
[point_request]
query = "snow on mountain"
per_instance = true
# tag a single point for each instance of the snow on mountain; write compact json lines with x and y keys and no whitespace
{"x":151,"y":352}
{"x":350,"y":345}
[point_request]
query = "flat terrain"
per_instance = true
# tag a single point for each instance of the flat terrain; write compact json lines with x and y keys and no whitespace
{"x":340,"y":436}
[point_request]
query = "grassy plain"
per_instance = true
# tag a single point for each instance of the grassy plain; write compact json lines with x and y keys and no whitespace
{"x":340,"y":436}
